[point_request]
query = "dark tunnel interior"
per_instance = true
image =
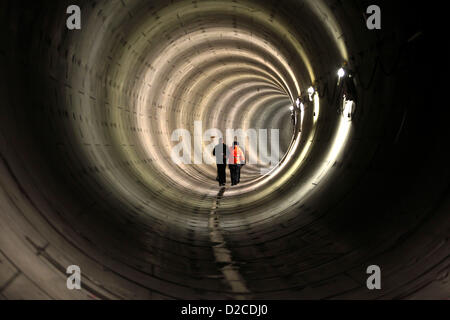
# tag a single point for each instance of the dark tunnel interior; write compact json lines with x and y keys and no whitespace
{"x":87,"y":178}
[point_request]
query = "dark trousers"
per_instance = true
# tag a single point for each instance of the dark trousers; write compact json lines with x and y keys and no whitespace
{"x":221,"y":173}
{"x":235,"y":173}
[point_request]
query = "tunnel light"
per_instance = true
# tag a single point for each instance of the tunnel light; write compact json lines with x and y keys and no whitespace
{"x":341,"y":73}
{"x":349,"y":109}
{"x":298,"y":102}
{"x":310,"y":93}
{"x":291,"y":108}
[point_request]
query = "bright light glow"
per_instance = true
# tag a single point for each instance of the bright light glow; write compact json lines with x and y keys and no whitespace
{"x":302,"y":115}
{"x":310,"y":93}
{"x":298,"y":102}
{"x":291,"y":108}
{"x":348,"y":109}
{"x":341,"y":72}
{"x":339,"y":142}
{"x":316,"y":107}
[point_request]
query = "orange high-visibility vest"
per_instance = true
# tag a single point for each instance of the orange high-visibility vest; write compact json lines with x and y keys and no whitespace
{"x":236,"y":156}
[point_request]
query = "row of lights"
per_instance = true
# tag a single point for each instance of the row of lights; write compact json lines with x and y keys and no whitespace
{"x":341,"y":73}
{"x":299,"y":103}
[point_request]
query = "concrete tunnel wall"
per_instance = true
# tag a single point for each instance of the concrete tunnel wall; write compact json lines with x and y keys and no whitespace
{"x":87,"y":178}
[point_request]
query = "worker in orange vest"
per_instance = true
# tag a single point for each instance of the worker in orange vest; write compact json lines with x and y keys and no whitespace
{"x":235,"y":161}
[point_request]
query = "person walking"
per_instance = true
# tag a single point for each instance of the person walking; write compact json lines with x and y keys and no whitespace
{"x":235,"y":161}
{"x":221,"y":152}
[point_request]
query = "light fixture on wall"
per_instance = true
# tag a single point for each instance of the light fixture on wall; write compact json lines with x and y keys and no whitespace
{"x":310,"y":93}
{"x":342,"y":72}
{"x":348,"y":109}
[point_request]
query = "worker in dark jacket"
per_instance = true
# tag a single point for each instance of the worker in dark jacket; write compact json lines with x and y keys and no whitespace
{"x":221,"y":153}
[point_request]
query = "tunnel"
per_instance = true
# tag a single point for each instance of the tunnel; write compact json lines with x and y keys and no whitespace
{"x":87,"y":138}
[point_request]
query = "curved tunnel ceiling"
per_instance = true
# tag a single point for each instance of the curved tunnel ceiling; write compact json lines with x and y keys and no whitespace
{"x":87,"y":176}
